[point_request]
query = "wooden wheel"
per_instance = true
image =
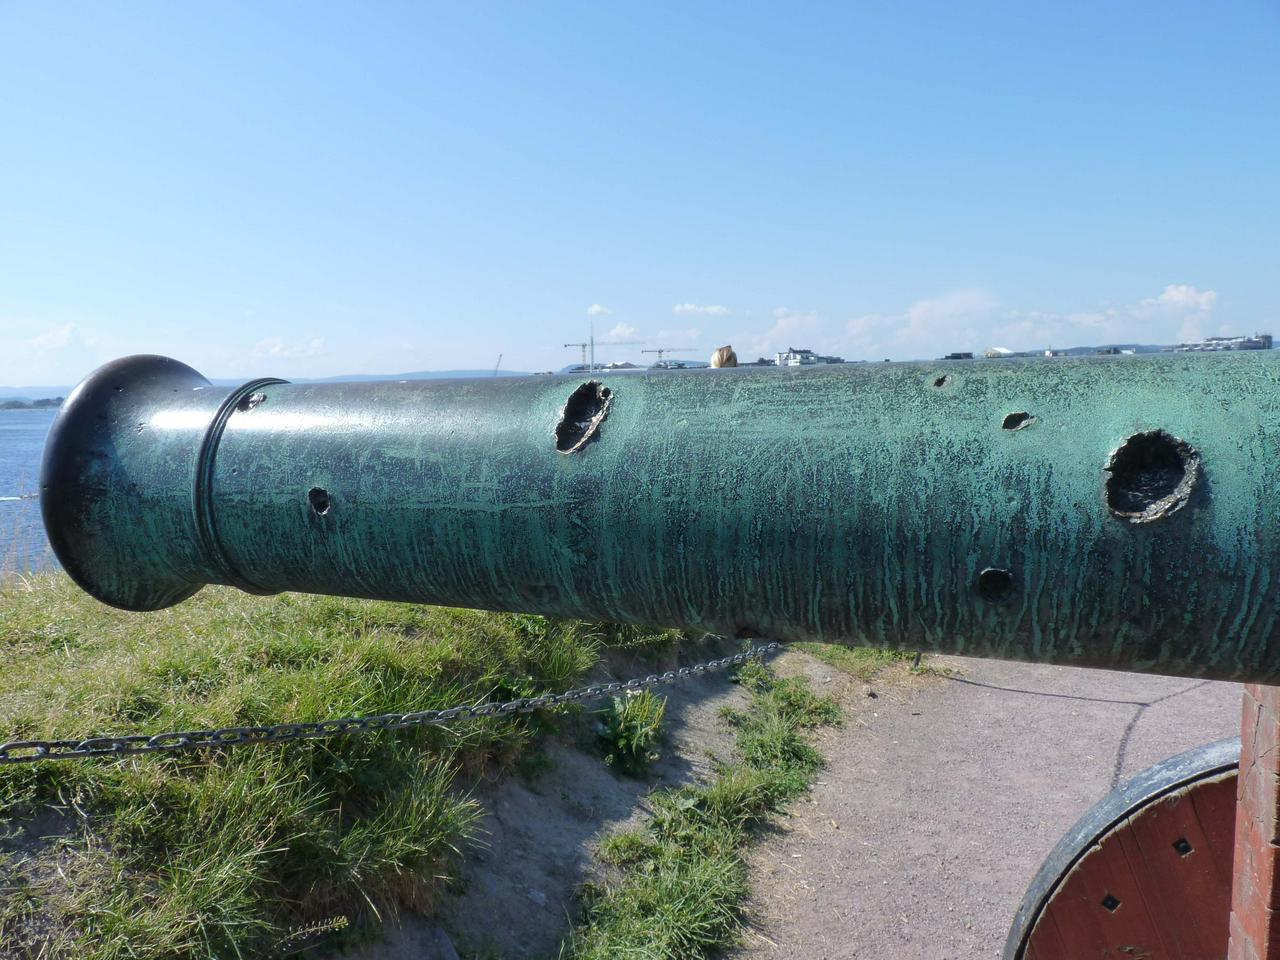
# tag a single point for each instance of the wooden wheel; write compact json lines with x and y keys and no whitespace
{"x":1144,"y":875}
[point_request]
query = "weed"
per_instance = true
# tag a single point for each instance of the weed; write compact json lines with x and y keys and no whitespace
{"x":627,"y":846}
{"x":638,"y":639}
{"x":629,"y":728}
{"x":753,"y":675}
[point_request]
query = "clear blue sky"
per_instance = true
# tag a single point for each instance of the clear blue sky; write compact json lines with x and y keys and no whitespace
{"x":312,"y":189}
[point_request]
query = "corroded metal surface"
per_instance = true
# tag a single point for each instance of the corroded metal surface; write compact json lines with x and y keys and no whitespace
{"x":1126,"y":514}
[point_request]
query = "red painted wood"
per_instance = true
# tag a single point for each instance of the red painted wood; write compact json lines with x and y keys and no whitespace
{"x":1255,"y":899}
{"x":1210,"y":804}
{"x":1172,"y":906}
{"x":1188,"y":893}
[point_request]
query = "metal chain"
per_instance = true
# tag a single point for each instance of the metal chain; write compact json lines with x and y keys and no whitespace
{"x":31,"y":751}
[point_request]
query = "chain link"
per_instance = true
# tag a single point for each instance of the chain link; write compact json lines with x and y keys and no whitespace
{"x":32,"y":751}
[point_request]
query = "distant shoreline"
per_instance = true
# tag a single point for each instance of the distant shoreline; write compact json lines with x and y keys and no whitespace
{"x":46,"y":403}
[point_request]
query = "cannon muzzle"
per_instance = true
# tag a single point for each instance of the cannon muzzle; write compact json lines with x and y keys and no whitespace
{"x":1110,"y":512}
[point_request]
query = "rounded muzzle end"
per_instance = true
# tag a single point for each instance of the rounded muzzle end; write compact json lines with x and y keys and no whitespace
{"x":116,"y":476}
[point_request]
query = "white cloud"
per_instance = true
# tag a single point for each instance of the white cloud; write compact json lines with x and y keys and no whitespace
{"x":276,"y":348}
{"x":40,"y":353}
{"x":598,"y":310}
{"x":791,"y":328}
{"x":1180,"y":313}
{"x":1183,"y":304}
{"x":931,"y":321}
{"x":710,"y":310}
{"x":54,"y":339}
{"x":953,"y":321}
{"x":1182,"y":297}
{"x":622,"y":331}
{"x":971,"y":319}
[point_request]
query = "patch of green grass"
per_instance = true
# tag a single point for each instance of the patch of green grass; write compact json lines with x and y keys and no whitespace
{"x":629,"y":728}
{"x":861,"y":662}
{"x":683,"y":878}
{"x":224,"y":853}
{"x":637,"y":639}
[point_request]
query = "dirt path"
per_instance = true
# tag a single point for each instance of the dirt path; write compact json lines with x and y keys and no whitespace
{"x":943,"y":796}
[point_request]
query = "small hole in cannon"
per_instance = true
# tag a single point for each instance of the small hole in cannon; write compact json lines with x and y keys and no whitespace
{"x":1110,"y":903}
{"x":1152,"y":475}
{"x":248,"y":403}
{"x":1183,"y":846}
{"x":942,"y":381}
{"x":318,"y":497}
{"x":585,"y":411}
{"x":1016,"y":421}
{"x":995,"y":584}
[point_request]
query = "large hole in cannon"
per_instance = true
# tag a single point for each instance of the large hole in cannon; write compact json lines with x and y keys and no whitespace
{"x":582,"y":416}
{"x":1152,"y":475}
{"x":995,"y":585}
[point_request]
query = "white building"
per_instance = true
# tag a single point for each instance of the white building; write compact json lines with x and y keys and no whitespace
{"x":803,"y":358}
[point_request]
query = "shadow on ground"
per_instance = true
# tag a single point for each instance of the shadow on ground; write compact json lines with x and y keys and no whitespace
{"x":518,"y":894}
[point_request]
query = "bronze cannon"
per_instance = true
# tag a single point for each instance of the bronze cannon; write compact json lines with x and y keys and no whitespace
{"x":1107,"y":512}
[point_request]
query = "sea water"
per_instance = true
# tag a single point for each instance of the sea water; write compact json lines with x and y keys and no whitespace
{"x":23,"y":547}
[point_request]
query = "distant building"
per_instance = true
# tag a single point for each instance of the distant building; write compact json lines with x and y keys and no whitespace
{"x":678,"y":365}
{"x":586,"y":368}
{"x":1003,"y":353}
{"x":803,"y":358}
{"x":1259,"y":341}
{"x":760,"y":362}
{"x":965,"y":355}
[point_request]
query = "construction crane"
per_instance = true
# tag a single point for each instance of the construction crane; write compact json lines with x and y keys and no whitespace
{"x":589,"y":360}
{"x":661,"y":350}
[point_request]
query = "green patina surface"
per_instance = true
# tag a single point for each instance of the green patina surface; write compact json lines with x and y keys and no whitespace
{"x":855,"y":504}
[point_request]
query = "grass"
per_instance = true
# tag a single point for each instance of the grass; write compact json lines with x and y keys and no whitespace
{"x":861,"y":662}
{"x":267,"y":851}
{"x":683,"y":878}
{"x":251,"y":852}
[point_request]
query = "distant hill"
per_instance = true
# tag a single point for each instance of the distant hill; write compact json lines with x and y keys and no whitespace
{"x":1135,"y":347}
{"x":32,"y":393}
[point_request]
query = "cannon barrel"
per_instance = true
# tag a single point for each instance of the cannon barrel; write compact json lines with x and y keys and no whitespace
{"x":1109,"y":512}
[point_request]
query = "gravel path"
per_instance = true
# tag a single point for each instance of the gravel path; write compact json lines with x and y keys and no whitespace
{"x":943,"y":796}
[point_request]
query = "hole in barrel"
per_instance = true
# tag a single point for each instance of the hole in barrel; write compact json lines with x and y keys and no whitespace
{"x":1016,"y":421}
{"x":1152,"y":475}
{"x":318,"y":497}
{"x":248,"y":403}
{"x":583,"y":413}
{"x":995,"y":584}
